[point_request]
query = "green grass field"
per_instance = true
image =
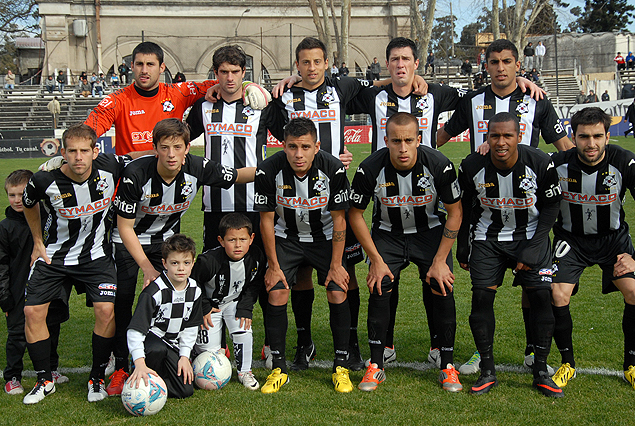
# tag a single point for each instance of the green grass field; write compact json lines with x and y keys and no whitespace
{"x":410,"y":395}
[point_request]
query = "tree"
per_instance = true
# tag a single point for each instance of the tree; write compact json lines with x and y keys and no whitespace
{"x":18,"y":16}
{"x":442,"y":35}
{"x":603,"y":15}
{"x":322,"y":26}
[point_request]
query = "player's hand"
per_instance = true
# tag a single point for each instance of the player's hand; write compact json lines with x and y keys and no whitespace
{"x":245,"y":323}
{"x":624,"y":265}
{"x":520,"y":266}
{"x":535,"y":92}
{"x":149,"y":276}
{"x":213,"y":94}
{"x":184,"y":368}
{"x":441,"y":272}
{"x":39,"y":252}
{"x":141,"y":372}
{"x":207,"y":319}
{"x":52,"y":164}
{"x":339,"y":275}
{"x":346,"y":157}
{"x":419,"y":86}
{"x":279,"y":88}
{"x":376,"y":273}
{"x":465,"y":266}
{"x":483,"y":148}
{"x":273,"y":276}
{"x":255,"y":96}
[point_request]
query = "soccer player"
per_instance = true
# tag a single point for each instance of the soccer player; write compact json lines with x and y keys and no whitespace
{"x":231,"y":276}
{"x":308,"y":190}
{"x":406,"y":181}
{"x":511,"y":199}
{"x":153,"y":195}
{"x":163,"y":329}
{"x":591,"y":230}
{"x":77,"y":196}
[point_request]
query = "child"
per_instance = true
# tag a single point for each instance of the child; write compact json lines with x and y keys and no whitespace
{"x":232,"y":276}
{"x":163,"y":328}
{"x":16,"y":245}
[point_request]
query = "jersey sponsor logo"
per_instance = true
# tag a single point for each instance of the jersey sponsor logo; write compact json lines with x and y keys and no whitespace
{"x":61,"y":196}
{"x":107,"y":286}
{"x":166,"y":208}
{"x":85,"y":210}
{"x":105,"y":102}
{"x":152,"y":195}
{"x":407,"y":200}
{"x":486,"y":185}
{"x":483,"y":107}
{"x":167,"y":105}
{"x":558,"y":128}
{"x":572,"y":180}
{"x":229,"y":129}
{"x":312,"y":203}
{"x":341,"y":197}
{"x":124,"y":207}
{"x":390,"y":104}
{"x":211,"y":111}
{"x":553,"y":191}
{"x":284,"y":187}
{"x":356,"y":198}
{"x":481,"y":126}
{"x":593,"y":199}
{"x":545,"y":271}
{"x":507,"y":202}
{"x":137,"y":112}
{"x":260,"y":199}
{"x":294,"y":100}
{"x":610,"y":181}
{"x":384,"y":185}
{"x":322,"y":115}
{"x":144,"y":136}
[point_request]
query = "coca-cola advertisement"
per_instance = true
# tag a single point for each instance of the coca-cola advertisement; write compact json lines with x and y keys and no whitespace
{"x":352,"y":134}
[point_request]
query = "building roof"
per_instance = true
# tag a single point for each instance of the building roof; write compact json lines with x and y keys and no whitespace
{"x":29,"y":43}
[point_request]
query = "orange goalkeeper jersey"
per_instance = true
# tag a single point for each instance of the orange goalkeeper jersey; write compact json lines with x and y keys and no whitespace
{"x":134,"y":115}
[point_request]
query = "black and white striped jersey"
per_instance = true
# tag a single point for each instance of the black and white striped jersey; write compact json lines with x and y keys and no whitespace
{"x":476,"y":108}
{"x":236,"y":136}
{"x":172,"y":315}
{"x":406,"y":202}
{"x":78,"y":213}
{"x":303,"y":204}
{"x":382,"y":102}
{"x":325,"y":106}
{"x":593,"y":196}
{"x":156,"y":206}
{"x":224,"y":280}
{"x":506,"y":204}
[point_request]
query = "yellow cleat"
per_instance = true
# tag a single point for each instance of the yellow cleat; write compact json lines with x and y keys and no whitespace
{"x":629,"y":375}
{"x":341,"y":380}
{"x":275,"y":381}
{"x":563,"y":375}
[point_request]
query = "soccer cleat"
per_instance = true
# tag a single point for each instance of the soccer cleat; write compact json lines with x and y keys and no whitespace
{"x":373,"y":377}
{"x":449,"y":379}
{"x":59,"y":378}
{"x":13,"y":387}
{"x":248,"y":380}
{"x":629,"y":375}
{"x":341,"y":381}
{"x":390,"y":355}
{"x":97,"y":390}
{"x":275,"y":381}
{"x":547,"y":386}
{"x":110,"y":368}
{"x":563,"y":375}
{"x":303,"y":355}
{"x":41,"y":389}
{"x":529,"y":363}
{"x":473,"y":365}
{"x":486,"y":381}
{"x":227,"y":354}
{"x":434,"y":357}
{"x":266,"y":355}
{"x":117,"y":380}
{"x":355,"y":361}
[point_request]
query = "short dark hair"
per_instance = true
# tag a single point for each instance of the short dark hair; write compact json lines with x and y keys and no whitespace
{"x":82,"y":131}
{"x":233,"y":55}
{"x":170,"y":127}
{"x":300,"y":126}
{"x":148,"y":48}
{"x":234,"y":221}
{"x":505,"y":117}
{"x":17,"y":177}
{"x":500,"y":45}
{"x":399,"y":42}
{"x":307,"y":44}
{"x":402,"y":119}
{"x":178,"y":243}
{"x":590,"y":115}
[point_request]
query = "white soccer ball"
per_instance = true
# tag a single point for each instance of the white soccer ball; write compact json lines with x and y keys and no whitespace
{"x":145,"y":400}
{"x":212,"y":370}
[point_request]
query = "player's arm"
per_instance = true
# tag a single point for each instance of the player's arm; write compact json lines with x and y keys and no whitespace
{"x":625,"y":264}
{"x":102,"y":117}
{"x":32,"y":215}
{"x":534,"y":90}
{"x":246,"y":174}
{"x":439,"y":269}
{"x":131,"y":241}
{"x":6,"y":299}
{"x":337,"y":272}
{"x":563,"y":144}
{"x":187,"y":339}
{"x":274,"y":274}
{"x":456,"y":124}
{"x":136,"y":336}
{"x":463,"y":237}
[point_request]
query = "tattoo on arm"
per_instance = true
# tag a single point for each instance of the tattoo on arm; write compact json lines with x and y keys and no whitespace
{"x":450,"y":234}
{"x":339,"y":236}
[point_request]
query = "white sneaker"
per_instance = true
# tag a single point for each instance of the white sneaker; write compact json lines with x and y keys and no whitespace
{"x":96,"y":390}
{"x":41,"y":389}
{"x":266,"y":355}
{"x":529,"y":363}
{"x":434,"y":357}
{"x":390,"y":355}
{"x":248,"y":380}
{"x":58,"y":377}
{"x":110,"y":368}
{"x":13,"y":387}
{"x":472,"y":366}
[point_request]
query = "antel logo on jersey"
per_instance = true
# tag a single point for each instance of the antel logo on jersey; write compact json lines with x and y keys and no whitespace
{"x":312,"y":203}
{"x":85,"y":210}
{"x":315,"y":115}
{"x":597,"y":199}
{"x":137,"y":112}
{"x":231,"y":129}
{"x":166,"y":208}
{"x":508,"y":202}
{"x":407,"y":200}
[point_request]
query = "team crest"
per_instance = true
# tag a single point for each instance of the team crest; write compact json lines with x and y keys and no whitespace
{"x":522,"y":108}
{"x":422,"y":104}
{"x":423,"y":182}
{"x":102,"y":185}
{"x":187,"y":189}
{"x":319,"y":186}
{"x":610,"y":181}
{"x":527,"y":184}
{"x":167,"y":106}
{"x":328,"y":98}
{"x":248,"y":111}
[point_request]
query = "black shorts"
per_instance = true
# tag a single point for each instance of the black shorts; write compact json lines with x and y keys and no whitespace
{"x":573,"y":254}
{"x":293,"y":254}
{"x":211,"y":234}
{"x":490,"y":259}
{"x":398,"y":251}
{"x":353,"y":252}
{"x":49,"y":282}
{"x":128,"y":270}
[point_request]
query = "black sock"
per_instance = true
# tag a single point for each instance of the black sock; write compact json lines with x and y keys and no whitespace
{"x":483,"y":324}
{"x":444,"y":311}
{"x":543,"y":324}
{"x":378,"y":317}
{"x":628,"y":327}
{"x":562,"y":333}
{"x":353,"y":305}
{"x":123,"y":315}
{"x":54,"y":335}
{"x":529,"y":347}
{"x":302,"y":305}
{"x":389,"y":341}
{"x":263,"y":301}
{"x":102,"y":346}
{"x":40,"y":354}
{"x":428,"y":303}
{"x":340,"y":318}
{"x":277,"y":324}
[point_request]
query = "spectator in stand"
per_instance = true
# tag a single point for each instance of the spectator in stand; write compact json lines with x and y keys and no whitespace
{"x":343,"y":71}
{"x":529,"y":56}
{"x":525,"y":74}
{"x":591,"y":98}
{"x":478,"y":80}
{"x":480,"y":60}
{"x":179,"y":78}
{"x":535,"y":75}
{"x":114,"y":80}
{"x":61,"y":81}
{"x":55,"y":109}
{"x":369,"y":75}
{"x":93,"y":79}
{"x":630,"y":117}
{"x":430,"y":63}
{"x":334,"y":70}
{"x":9,"y":81}
{"x":99,"y":85}
{"x":581,"y":98}
{"x":50,"y":84}
{"x":619,"y":60}
{"x":540,"y":55}
{"x":123,"y":72}
{"x":375,"y":69}
{"x":466,"y":68}
{"x":83,"y":76}
{"x":605,"y":96}
{"x":630,"y":61}
{"x":84,"y":88}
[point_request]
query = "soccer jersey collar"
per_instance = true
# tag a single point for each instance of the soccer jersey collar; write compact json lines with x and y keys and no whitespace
{"x":146,"y":93}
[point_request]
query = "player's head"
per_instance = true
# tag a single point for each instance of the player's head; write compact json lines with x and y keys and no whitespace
{"x":502,"y":65}
{"x":236,"y":235}
{"x":147,"y":65}
{"x":229,"y":66}
{"x":79,"y":149}
{"x":14,"y":186}
{"x":402,"y":139}
{"x":300,"y":144}
{"x":171,"y":142}
{"x":503,"y":137}
{"x":177,"y":253}
{"x":499,"y":45}
{"x":590,"y":128}
{"x":312,"y":62}
{"x":402,"y":61}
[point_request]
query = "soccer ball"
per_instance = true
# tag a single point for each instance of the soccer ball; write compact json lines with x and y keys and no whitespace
{"x":212,"y":370}
{"x":145,"y":400}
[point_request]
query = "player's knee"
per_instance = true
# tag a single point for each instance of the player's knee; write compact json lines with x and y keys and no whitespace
{"x":561,"y":294}
{"x":104,"y":313}
{"x":34,"y":315}
{"x":336,"y":297}
{"x":278,"y":297}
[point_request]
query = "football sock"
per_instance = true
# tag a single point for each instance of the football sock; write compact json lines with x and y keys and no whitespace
{"x":562,"y":333}
{"x":529,"y":347}
{"x":54,"y":335}
{"x":543,"y":324}
{"x":123,"y":315}
{"x":263,"y":301}
{"x":394,"y":301}
{"x":628,"y":327}
{"x":428,"y":304}
{"x":378,"y":317}
{"x":353,"y":305}
{"x":277,"y":324}
{"x":40,"y":354}
{"x":102,"y":346}
{"x":483,"y":323}
{"x":302,"y":305}
{"x":243,"y":350}
{"x":340,"y":317}
{"x":444,"y":311}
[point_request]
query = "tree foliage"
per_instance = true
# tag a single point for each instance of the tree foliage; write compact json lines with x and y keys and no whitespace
{"x":602,"y":15}
{"x":18,"y":16}
{"x":442,"y":35}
